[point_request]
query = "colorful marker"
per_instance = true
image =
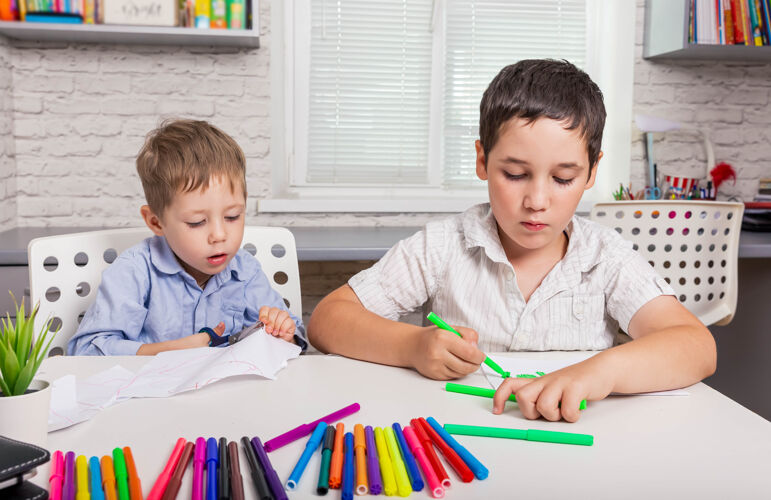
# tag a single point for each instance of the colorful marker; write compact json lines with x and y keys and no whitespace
{"x":135,"y":485}
{"x":409,"y":461}
{"x":480,"y":471}
{"x":360,"y":451}
{"x":326,"y":455}
{"x":96,"y":479}
{"x":68,"y":488}
{"x":175,"y":482}
{"x":223,"y":482}
{"x":108,"y":478}
{"x":400,"y":471}
{"x":305,"y":429}
{"x":456,"y":462}
{"x":386,"y":468}
{"x":433,"y":480}
{"x":258,"y":476}
{"x":81,"y":473}
{"x":373,"y":468}
{"x":270,"y":473}
{"x":199,"y":459}
{"x":121,"y":474}
{"x":336,"y":467}
{"x":212,"y":462}
{"x":436,"y":464}
{"x":310,"y":447}
{"x":486,"y":392}
{"x":433,"y":318}
{"x":163,"y":479}
{"x":236,"y":481}
{"x":347,"y":493}
{"x":57,"y":476}
{"x":527,"y":434}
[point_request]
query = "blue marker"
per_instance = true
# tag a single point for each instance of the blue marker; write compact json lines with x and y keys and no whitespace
{"x":96,"y":479}
{"x":348,"y":468}
{"x":212,"y":460}
{"x":310,"y":447}
{"x":479,"y":470}
{"x":409,"y":459}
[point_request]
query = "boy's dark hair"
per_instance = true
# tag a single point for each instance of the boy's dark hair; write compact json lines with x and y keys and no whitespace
{"x":182,"y":156}
{"x":536,"y":88}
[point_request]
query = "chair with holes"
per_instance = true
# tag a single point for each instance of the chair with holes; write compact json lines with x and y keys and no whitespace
{"x":65,"y":271}
{"x":692,"y":244}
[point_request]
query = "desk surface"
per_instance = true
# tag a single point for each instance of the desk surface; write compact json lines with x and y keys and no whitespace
{"x":698,"y":446}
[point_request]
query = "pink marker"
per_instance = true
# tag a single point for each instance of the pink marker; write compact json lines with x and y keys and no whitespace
{"x":198,"y":462}
{"x":57,"y":476}
{"x":420,"y":454}
{"x":163,"y":479}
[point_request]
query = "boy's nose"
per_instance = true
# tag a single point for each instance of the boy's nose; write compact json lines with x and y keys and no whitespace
{"x":217,"y":233}
{"x":537,"y":197}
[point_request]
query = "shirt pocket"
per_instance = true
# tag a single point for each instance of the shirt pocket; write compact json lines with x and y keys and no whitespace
{"x":234,"y":319}
{"x":576,"y":321}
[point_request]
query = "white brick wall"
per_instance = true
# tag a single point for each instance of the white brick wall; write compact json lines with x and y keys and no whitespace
{"x":80,"y":112}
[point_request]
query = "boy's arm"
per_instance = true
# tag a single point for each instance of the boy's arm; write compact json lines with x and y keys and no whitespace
{"x":194,"y":340}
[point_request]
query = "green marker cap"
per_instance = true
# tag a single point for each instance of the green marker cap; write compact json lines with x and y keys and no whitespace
{"x":529,"y":434}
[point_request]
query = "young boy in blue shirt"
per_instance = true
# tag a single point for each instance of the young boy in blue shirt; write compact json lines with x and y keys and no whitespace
{"x":523,"y":272}
{"x":192,"y":274}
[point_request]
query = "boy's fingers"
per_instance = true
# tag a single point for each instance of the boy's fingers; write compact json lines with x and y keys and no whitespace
{"x":548,"y":402}
{"x":506,"y":389}
{"x":287,"y":326}
{"x":220,"y":328}
{"x":465,"y":351}
{"x":571,"y":400}
{"x":527,"y":396}
{"x":458,"y":367}
{"x":468,"y":334}
{"x":264,"y":313}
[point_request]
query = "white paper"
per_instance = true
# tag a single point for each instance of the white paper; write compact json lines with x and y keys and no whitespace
{"x":529,"y":366}
{"x":168,"y":373}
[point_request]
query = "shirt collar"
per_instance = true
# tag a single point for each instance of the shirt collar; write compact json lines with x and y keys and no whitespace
{"x":165,"y":261}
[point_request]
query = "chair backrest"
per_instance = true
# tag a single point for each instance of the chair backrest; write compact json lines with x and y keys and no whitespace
{"x":692,"y":244}
{"x":65,"y":270}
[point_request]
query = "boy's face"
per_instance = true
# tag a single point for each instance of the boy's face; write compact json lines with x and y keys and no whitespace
{"x":536,"y":174}
{"x":204,"y":228}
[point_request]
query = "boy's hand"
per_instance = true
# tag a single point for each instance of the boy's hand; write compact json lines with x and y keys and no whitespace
{"x":556,"y":395}
{"x":442,"y":355}
{"x":202,"y":339}
{"x":278,"y":323}
{"x":189,"y":342}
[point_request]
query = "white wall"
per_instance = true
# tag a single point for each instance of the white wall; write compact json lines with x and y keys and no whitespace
{"x":7,"y":163}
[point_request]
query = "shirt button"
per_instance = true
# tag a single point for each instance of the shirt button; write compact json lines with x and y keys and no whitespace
{"x":509,"y":274}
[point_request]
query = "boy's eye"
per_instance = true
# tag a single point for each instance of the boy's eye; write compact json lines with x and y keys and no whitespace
{"x":195,"y":224}
{"x":514,"y":177}
{"x":562,"y":181}
{"x":232,"y":218}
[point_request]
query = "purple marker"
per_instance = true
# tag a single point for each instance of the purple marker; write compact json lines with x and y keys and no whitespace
{"x":270,"y":473}
{"x":68,"y":490}
{"x":305,"y":429}
{"x":373,"y":467}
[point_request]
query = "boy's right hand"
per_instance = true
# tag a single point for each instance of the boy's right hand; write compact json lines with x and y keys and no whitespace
{"x":442,"y":355}
{"x":202,"y":339}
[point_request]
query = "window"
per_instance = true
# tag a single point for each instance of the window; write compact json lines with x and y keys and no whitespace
{"x":380,"y":103}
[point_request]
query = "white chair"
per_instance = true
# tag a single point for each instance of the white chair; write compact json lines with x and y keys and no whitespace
{"x":65,"y":271}
{"x":693,"y":244}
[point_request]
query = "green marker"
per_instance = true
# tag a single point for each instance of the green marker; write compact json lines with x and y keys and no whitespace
{"x":486,"y":392}
{"x":433,"y":318}
{"x":121,"y":474}
{"x":529,"y":434}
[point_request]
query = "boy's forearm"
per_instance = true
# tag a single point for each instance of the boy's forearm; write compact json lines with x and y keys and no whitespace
{"x":168,"y":345}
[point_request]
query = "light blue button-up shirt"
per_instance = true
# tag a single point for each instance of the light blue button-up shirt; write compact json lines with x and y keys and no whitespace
{"x":145,"y":296}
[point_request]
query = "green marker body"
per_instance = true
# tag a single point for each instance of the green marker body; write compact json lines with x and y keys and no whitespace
{"x":121,"y":473}
{"x":529,"y":434}
{"x":486,"y":392}
{"x":433,"y":318}
{"x":323,"y":485}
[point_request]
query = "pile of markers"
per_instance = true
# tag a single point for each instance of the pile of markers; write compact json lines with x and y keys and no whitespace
{"x":109,"y":479}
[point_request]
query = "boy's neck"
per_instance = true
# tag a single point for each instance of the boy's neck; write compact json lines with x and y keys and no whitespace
{"x":518,"y":256}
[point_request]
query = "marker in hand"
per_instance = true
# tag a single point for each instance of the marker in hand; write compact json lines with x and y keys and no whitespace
{"x":433,"y":318}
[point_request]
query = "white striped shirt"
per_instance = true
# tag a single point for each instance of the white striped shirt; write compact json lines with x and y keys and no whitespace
{"x":458,"y":268}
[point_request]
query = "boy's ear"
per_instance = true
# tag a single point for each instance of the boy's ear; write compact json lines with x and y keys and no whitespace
{"x":593,"y":175}
{"x":152,"y":220}
{"x":481,"y":160}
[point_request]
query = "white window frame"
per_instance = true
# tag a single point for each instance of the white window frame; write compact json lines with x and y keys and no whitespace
{"x":610,"y":63}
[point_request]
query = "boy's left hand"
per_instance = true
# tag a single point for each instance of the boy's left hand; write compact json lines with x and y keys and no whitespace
{"x":278,"y":323}
{"x":556,"y":395}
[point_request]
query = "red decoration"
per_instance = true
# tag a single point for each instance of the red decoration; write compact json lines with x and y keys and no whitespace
{"x":722,"y":172}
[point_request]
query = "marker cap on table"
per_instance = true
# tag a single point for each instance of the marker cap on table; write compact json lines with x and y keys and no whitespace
{"x":452,"y":457}
{"x":258,"y":475}
{"x":121,"y":473}
{"x":400,"y":471}
{"x":135,"y":485}
{"x":433,"y":318}
{"x":223,"y":482}
{"x":326,"y":456}
{"x":360,"y":451}
{"x":108,"y":478}
{"x":96,"y":479}
{"x":336,"y":467}
{"x":305,"y":429}
{"x":270,"y":473}
{"x":373,"y":468}
{"x":417,"y":448}
{"x":175,"y":482}
{"x":236,"y":481}
{"x":386,"y":467}
{"x":199,"y":459}
{"x":486,"y":392}
{"x":347,"y":493}
{"x":163,"y":478}
{"x":480,"y":471}
{"x":68,"y":487}
{"x":311,"y":446}
{"x":81,"y":472}
{"x":428,"y":448}
{"x":57,"y":476}
{"x":409,"y":461}
{"x":527,"y":434}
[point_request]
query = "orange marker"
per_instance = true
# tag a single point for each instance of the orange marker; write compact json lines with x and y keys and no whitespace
{"x":135,"y":485}
{"x":336,"y":468}
{"x":360,"y":448}
{"x":108,"y":478}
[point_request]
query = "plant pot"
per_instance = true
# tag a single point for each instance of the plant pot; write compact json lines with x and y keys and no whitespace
{"x":25,"y":418}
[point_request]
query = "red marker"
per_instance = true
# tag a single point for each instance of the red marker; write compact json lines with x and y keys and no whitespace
{"x":433,"y":458}
{"x":163,"y":479}
{"x":456,"y":462}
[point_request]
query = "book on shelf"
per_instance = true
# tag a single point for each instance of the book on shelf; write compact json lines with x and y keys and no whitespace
{"x":730,"y":22}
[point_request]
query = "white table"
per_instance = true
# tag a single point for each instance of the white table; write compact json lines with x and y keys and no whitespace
{"x":698,"y":446}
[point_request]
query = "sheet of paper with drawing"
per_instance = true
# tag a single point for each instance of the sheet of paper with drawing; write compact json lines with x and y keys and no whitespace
{"x":168,"y":373}
{"x":531,"y":367}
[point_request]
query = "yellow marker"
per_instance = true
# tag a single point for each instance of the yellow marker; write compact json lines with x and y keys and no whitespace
{"x":386,"y":469}
{"x":400,"y":470}
{"x":81,"y":472}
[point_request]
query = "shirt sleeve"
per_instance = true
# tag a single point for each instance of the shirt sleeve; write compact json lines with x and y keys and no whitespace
{"x":259,"y":293}
{"x":632,"y":283}
{"x":113,"y":323}
{"x":407,"y":276}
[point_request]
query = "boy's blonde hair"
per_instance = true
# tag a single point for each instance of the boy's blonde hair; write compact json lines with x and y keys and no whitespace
{"x":182,"y":156}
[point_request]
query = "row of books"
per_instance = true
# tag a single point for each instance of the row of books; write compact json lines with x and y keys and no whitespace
{"x":222,"y":14}
{"x":730,"y":22}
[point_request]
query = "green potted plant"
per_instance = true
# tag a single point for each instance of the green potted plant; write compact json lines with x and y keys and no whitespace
{"x":24,"y":401}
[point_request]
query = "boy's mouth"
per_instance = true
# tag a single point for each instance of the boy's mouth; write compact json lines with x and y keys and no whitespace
{"x":534,"y":226}
{"x":217,"y":259}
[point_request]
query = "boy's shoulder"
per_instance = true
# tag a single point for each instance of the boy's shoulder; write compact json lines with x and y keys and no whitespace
{"x":596,"y":242}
